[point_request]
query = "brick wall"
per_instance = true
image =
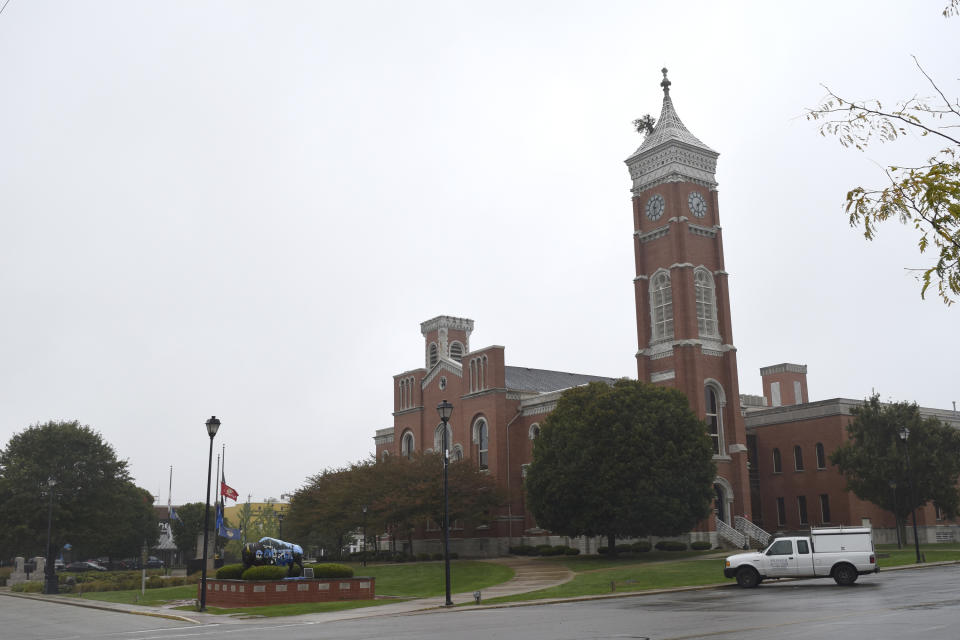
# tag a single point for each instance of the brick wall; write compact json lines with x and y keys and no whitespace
{"x":254,"y":593}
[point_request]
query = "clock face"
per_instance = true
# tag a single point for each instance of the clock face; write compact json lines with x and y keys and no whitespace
{"x":698,"y":206}
{"x":655,"y":206}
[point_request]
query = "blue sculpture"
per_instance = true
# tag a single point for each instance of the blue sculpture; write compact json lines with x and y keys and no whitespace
{"x":271,"y":551}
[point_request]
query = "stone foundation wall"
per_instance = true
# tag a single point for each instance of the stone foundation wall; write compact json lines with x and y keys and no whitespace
{"x":255,"y":593}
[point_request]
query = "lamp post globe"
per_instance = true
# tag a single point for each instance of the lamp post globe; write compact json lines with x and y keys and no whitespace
{"x":213,"y":425}
{"x":445,"y":409}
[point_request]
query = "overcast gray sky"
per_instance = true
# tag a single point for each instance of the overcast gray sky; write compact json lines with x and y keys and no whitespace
{"x":247,"y":208}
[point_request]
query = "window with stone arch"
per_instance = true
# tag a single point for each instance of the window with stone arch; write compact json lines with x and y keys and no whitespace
{"x":434,"y":355}
{"x":821,"y":456}
{"x":438,"y":437}
{"x":777,"y":462}
{"x":406,"y":445}
{"x":797,"y":458}
{"x":706,"y":302}
{"x":457,"y":453}
{"x":481,"y":436}
{"x":456,"y":351}
{"x":714,"y":402}
{"x":534,"y":431}
{"x":661,"y":306}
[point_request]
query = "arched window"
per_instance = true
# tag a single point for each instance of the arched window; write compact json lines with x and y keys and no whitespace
{"x":457,"y":454}
{"x":481,"y":436}
{"x":406,"y":445}
{"x":534,"y":430}
{"x":456,"y":351}
{"x":797,"y":458}
{"x":661,"y":306}
{"x":384,"y":454}
{"x":821,"y":457}
{"x":438,"y":437}
{"x":777,"y":463}
{"x":714,"y":419}
{"x":706,"y":302}
{"x":434,"y":354}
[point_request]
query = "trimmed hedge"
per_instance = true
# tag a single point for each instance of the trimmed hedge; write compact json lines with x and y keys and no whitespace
{"x":265,"y":572}
{"x":700,"y":545}
{"x":230,"y":572}
{"x":570,"y":551}
{"x":331,"y":570}
{"x":641,"y":546}
{"x":28,"y":587}
{"x":671,"y":545}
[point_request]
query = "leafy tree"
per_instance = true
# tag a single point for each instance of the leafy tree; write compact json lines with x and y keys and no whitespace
{"x":874,"y":456}
{"x":96,"y":506}
{"x":188,"y":525}
{"x":923,"y":194}
{"x":630,"y":459}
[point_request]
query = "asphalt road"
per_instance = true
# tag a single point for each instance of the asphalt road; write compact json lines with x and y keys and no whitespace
{"x":912,"y":603}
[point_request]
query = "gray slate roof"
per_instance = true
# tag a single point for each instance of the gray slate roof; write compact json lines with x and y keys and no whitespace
{"x":544,"y":380}
{"x":669,"y":127}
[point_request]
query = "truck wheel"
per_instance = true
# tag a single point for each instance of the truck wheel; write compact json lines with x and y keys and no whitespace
{"x":844,"y":574}
{"x":748,"y":578}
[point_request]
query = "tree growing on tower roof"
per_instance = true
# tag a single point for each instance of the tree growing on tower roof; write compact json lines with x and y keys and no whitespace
{"x":626,"y":460}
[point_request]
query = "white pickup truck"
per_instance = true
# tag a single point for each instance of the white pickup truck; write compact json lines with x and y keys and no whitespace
{"x":841,"y":553}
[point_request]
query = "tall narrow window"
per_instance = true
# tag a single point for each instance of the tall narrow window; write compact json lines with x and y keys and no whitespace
{"x":706,"y":302}
{"x":825,"y":508}
{"x":483,"y":442}
{"x":802,"y":508}
{"x":797,"y":392}
{"x":714,"y":424}
{"x":456,"y":351}
{"x":821,"y":457}
{"x":775,"y":394}
{"x":438,"y":437}
{"x":434,"y":354}
{"x":781,"y":512}
{"x":777,"y":463}
{"x":797,"y":458}
{"x":661,"y":306}
{"x":406,"y":445}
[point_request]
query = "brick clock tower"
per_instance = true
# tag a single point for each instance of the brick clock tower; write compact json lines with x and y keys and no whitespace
{"x":683,"y":302}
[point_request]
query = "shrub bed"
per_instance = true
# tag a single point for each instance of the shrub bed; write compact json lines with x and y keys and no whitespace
{"x":265,"y":572}
{"x":230,"y":572}
{"x":671,"y":545}
{"x":700,"y":545}
{"x":331,"y":570}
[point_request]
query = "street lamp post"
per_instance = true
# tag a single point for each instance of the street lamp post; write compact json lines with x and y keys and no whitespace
{"x":896,"y":517}
{"x":212,"y":425}
{"x":904,"y":434}
{"x":280,"y":520}
{"x":363,"y":558}
{"x":50,"y":583}
{"x":445,"y":409}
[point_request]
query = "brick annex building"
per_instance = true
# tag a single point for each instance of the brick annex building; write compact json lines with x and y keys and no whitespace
{"x":771,"y":450}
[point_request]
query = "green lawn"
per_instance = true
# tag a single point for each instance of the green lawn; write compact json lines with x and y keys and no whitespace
{"x":153,"y":597}
{"x":908,"y":555}
{"x":629,"y":574}
{"x":413,"y":580}
{"x":425,"y":579}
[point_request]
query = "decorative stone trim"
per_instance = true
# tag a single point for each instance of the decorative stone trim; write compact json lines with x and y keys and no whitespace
{"x":232,"y":593}
{"x":786,"y":367}
{"x":737,"y":448}
{"x":447,"y":322}
{"x":706,"y":232}
{"x":660,"y":376}
{"x":444,"y":364}
{"x":649,"y":236}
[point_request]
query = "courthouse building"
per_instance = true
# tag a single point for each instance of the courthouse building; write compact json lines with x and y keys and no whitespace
{"x":685,"y":340}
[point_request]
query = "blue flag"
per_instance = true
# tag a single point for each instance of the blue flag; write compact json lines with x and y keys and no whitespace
{"x":219,"y":516}
{"x":173,"y":515}
{"x":230,"y":534}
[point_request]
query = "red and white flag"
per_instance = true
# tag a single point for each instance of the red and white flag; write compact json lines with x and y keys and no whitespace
{"x":228,"y":492}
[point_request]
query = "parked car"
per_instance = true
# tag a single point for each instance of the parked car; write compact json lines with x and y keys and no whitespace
{"x":154,"y":562}
{"x":82,"y":565}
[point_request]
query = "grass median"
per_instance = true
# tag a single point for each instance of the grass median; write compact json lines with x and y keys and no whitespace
{"x":408,"y":581}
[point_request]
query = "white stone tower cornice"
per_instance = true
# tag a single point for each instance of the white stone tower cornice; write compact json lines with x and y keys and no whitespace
{"x":670,"y":153}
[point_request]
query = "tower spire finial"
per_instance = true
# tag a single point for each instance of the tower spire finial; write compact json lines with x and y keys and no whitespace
{"x":665,"y":83}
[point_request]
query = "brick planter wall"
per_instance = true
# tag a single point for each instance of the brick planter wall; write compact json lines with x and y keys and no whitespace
{"x":255,"y":593}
